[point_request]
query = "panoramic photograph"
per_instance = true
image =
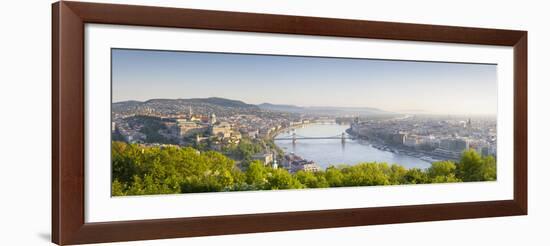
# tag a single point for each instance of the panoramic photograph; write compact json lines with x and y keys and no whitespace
{"x":194,"y":122}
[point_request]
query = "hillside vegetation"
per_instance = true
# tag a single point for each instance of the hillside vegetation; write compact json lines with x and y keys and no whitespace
{"x":139,"y":170}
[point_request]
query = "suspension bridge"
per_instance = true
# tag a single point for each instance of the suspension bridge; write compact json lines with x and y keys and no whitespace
{"x":295,"y":137}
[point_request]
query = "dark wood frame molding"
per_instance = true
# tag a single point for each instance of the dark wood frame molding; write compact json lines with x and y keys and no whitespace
{"x":68,"y":225}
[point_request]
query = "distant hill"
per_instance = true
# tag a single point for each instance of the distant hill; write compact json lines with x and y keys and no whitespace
{"x":120,"y":106}
{"x":324,"y":110}
{"x":222,"y":102}
{"x":218,"y":101}
{"x":281,"y":107}
{"x":349,"y":110}
{"x":128,"y":103}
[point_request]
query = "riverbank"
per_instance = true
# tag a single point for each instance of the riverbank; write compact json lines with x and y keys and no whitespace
{"x":381,"y":145}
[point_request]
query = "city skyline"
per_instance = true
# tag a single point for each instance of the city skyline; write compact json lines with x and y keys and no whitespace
{"x":394,"y":86}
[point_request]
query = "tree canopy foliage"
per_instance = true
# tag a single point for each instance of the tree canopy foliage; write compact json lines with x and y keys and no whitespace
{"x":140,"y":170}
{"x":150,"y":127}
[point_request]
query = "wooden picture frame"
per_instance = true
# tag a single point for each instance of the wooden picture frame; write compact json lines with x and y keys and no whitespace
{"x":68,"y":224}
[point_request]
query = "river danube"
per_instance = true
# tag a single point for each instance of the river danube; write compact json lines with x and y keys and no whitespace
{"x":327,"y":152}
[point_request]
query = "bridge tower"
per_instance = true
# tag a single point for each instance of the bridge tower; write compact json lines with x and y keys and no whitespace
{"x":293,"y":137}
{"x":343,"y":137}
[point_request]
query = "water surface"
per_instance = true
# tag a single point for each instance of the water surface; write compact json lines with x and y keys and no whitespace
{"x":326,"y":152}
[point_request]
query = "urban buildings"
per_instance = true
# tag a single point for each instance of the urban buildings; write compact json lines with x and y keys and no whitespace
{"x":200,"y":123}
{"x":436,"y":136}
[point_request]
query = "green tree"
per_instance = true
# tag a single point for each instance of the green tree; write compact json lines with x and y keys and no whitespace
{"x":489,"y":169}
{"x":474,"y":167}
{"x":246,"y":148}
{"x":312,"y":179}
{"x":117,"y":188}
{"x":280,"y":179}
{"x":442,"y":172}
{"x":334,"y":177}
{"x":141,"y":170}
{"x":416,"y":176}
{"x":256,"y":174}
{"x":397,"y":174}
{"x":365,"y":174}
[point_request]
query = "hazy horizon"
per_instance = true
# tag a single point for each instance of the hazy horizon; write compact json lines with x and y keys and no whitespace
{"x":396,"y":86}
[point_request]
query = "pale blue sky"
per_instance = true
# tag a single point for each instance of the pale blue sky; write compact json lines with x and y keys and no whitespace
{"x":398,"y":86}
